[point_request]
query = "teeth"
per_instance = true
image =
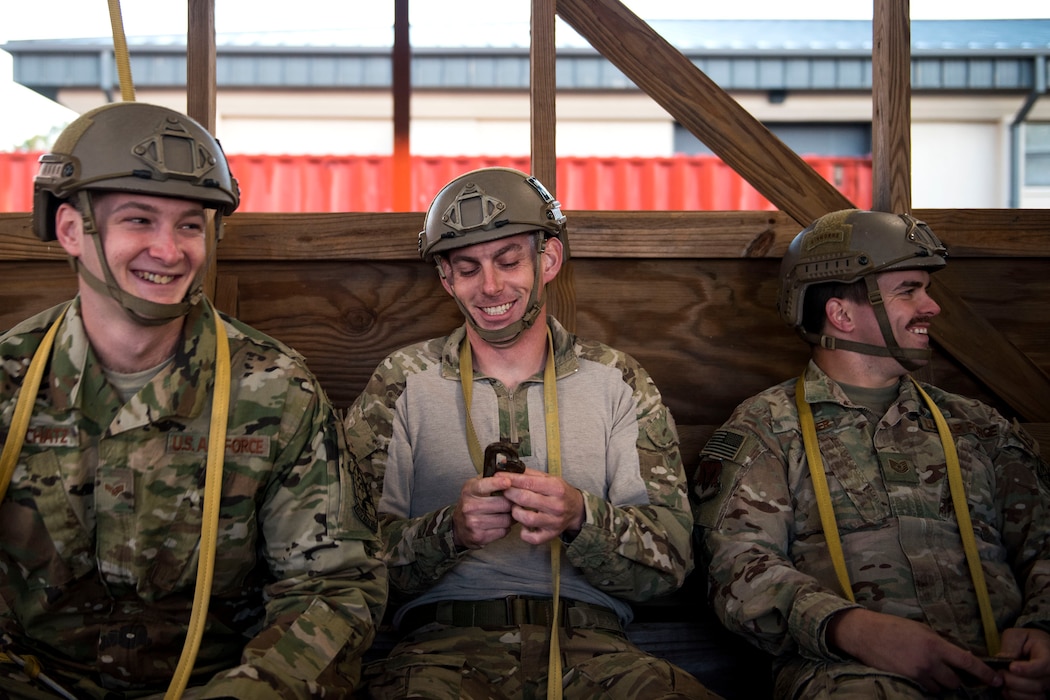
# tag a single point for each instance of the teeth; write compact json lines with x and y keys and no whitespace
{"x":155,"y":278}
{"x":496,"y":310}
{"x":920,"y":331}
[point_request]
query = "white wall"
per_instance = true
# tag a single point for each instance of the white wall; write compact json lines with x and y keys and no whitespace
{"x":1035,"y":198}
{"x":960,"y":144}
{"x":957,"y":165}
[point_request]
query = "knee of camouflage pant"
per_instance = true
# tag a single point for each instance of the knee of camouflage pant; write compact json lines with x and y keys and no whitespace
{"x":16,"y":685}
{"x":436,"y":676}
{"x":635,"y":675}
{"x":821,"y":680}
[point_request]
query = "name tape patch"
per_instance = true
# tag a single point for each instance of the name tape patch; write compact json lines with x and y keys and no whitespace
{"x":236,"y":445}
{"x":52,"y":436}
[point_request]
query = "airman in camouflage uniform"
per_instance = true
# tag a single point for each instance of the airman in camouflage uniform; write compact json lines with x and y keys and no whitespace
{"x":470,"y":556}
{"x":100,"y":529}
{"x":914,"y":630}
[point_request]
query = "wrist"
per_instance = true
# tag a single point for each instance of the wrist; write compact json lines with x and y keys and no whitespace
{"x":838,"y":630}
{"x":457,"y":546}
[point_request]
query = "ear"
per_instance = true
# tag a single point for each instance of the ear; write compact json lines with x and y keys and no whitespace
{"x":445,"y":274}
{"x":839,"y":314}
{"x":551,"y":259}
{"x":69,"y":229}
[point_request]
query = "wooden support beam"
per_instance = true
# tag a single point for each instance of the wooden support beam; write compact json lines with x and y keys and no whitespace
{"x":201,"y":62}
{"x":700,"y":105}
{"x":402,"y":86}
{"x":561,"y":293}
{"x":891,"y":107}
{"x":994,"y":234}
{"x":976,"y":343}
{"x":891,"y":113}
{"x":542,"y":87}
{"x":782,"y":177}
{"x":200,"y":98}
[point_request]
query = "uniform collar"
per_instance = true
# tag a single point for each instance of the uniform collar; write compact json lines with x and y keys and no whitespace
{"x":820,"y":388}
{"x":180,"y":390}
{"x":566,"y":360}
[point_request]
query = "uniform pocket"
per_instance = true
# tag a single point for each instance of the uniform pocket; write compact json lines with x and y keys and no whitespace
{"x":855,"y":490}
{"x":414,"y":675}
{"x":51,"y":545}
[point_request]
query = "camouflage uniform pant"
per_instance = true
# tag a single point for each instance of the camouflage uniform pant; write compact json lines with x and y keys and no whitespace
{"x":15,"y":685}
{"x":444,"y":662}
{"x":816,"y":680}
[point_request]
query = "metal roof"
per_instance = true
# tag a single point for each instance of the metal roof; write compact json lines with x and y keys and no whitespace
{"x":739,"y":55}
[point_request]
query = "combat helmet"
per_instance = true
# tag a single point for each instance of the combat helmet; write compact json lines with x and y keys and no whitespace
{"x":485,"y":205}
{"x":137,"y":148}
{"x":850,"y":245}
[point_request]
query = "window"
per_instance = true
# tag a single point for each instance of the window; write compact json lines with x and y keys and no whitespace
{"x":1037,"y":154}
{"x":806,"y":138}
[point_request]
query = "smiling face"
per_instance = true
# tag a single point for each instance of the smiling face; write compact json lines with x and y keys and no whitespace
{"x":493,"y":280}
{"x":154,"y":246}
{"x":909,"y":308}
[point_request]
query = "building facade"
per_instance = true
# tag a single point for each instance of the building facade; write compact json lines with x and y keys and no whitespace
{"x":980,"y":114}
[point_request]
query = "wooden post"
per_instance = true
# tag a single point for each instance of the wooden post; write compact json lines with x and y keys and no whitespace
{"x":891,"y":114}
{"x":700,"y":105}
{"x":402,"y":87}
{"x":542,"y":88}
{"x":783,"y":178}
{"x":543,"y":119}
{"x":200,"y":102}
{"x":891,"y":107}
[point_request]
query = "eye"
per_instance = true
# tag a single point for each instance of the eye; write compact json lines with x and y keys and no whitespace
{"x":510,"y":260}
{"x":137,"y":219}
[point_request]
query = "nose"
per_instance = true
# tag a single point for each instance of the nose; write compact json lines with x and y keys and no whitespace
{"x":491,"y":280}
{"x":164,"y":245}
{"x":929,"y":305}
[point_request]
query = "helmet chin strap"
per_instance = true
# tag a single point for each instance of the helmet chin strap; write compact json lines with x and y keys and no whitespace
{"x":142,"y":311}
{"x":910,"y":358}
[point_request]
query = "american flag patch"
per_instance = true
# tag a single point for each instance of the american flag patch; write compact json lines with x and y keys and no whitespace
{"x":724,"y":444}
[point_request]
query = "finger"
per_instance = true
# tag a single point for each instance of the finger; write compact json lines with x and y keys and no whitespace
{"x":529,"y":500}
{"x":537,"y":482}
{"x":484,"y":487}
{"x":1018,"y":685}
{"x":486,"y":505}
{"x":533,"y":519}
{"x":538,"y":535}
{"x":971,"y":671}
{"x":482,"y":530}
{"x":500,"y":521}
{"x":1012,"y":643}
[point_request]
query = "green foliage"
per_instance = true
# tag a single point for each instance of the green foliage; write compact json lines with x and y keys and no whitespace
{"x":41,"y":142}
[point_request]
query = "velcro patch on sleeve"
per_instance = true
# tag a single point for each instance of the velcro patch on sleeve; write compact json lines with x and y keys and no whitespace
{"x":726,"y":443}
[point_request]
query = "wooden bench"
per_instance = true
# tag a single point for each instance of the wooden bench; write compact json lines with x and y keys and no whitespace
{"x":690,"y":294}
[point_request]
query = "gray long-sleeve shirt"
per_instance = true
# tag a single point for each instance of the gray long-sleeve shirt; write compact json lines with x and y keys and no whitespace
{"x":619,"y":447}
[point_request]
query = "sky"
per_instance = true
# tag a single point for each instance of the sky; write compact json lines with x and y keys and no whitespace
{"x":27,"y":114}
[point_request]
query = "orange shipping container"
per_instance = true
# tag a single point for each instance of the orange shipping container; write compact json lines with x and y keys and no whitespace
{"x":309,"y":183}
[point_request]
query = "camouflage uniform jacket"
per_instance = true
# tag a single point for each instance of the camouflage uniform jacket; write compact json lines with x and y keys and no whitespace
{"x":100,"y":527}
{"x":771,"y":577}
{"x":619,"y":447}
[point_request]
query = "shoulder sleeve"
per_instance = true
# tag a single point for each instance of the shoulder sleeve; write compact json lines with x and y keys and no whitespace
{"x":720,"y":459}
{"x":637,"y":552}
{"x":418,"y":551}
{"x":329,"y":587}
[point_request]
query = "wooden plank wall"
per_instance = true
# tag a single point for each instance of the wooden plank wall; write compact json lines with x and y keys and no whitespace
{"x":690,"y":294}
